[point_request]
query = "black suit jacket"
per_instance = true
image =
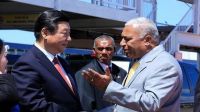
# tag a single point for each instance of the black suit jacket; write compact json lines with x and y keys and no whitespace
{"x":92,"y":98}
{"x":8,"y":93}
{"x":40,"y":86}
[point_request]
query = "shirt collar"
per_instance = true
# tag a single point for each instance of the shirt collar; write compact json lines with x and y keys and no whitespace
{"x":48,"y":55}
{"x":104,"y":65}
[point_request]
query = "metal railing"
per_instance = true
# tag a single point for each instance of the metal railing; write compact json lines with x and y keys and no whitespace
{"x":170,"y":43}
{"x":152,"y":14}
{"x":150,"y":9}
{"x":117,"y":4}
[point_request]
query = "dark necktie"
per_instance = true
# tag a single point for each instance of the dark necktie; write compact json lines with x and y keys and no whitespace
{"x":110,"y":68}
{"x":114,"y":75}
{"x":62,"y":73}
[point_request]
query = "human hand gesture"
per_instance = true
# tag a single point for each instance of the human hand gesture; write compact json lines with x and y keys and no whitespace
{"x":98,"y":80}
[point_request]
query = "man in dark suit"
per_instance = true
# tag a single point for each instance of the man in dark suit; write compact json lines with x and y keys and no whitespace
{"x":46,"y":85}
{"x":91,"y":98}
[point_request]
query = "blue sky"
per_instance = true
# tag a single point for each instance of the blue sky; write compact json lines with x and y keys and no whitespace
{"x":17,"y":36}
{"x":169,"y":11}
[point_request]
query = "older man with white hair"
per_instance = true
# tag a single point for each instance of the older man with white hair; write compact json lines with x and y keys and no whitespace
{"x":154,"y":81}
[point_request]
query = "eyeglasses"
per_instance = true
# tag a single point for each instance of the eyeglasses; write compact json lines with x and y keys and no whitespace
{"x":106,"y":48}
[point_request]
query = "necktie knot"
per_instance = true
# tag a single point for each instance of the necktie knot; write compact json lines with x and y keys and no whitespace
{"x":55,"y":60}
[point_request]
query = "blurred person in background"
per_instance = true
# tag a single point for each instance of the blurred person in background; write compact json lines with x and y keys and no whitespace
{"x":92,"y":98}
{"x":8,"y":92}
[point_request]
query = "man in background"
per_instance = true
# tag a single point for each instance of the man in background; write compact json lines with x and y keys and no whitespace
{"x":91,"y":98}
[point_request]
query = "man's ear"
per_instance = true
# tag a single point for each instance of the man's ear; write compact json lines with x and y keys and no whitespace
{"x":148,"y":40}
{"x":44,"y":32}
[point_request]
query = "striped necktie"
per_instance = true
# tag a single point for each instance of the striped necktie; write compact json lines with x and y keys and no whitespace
{"x":132,"y":72}
{"x":62,"y":73}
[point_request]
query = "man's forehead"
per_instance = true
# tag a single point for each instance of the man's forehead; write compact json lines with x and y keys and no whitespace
{"x":129,"y":30}
{"x":104,"y":42}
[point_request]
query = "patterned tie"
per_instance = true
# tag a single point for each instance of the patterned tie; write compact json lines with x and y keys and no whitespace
{"x":62,"y":73}
{"x":132,"y":71}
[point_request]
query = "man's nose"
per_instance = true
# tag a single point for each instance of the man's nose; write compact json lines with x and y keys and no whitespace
{"x":104,"y":51}
{"x":69,"y":38}
{"x":122,"y":43}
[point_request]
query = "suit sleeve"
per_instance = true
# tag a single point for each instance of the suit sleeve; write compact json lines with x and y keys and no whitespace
{"x":29,"y":85}
{"x":162,"y":84}
{"x":86,"y":93}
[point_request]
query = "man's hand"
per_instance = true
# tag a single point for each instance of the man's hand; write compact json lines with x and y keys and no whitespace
{"x":98,"y":80}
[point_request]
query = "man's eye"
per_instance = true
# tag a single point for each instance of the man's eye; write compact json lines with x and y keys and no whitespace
{"x":100,"y":49}
{"x":106,"y":48}
{"x":109,"y":48}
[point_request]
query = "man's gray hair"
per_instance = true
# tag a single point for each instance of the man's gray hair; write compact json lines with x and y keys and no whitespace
{"x":104,"y":37}
{"x":145,"y":26}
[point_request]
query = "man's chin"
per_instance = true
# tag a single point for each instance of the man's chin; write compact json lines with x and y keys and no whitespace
{"x":127,"y":54}
{"x":104,"y":61}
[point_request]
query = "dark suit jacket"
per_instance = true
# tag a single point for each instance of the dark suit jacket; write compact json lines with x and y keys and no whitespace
{"x":8,"y":93}
{"x":197,"y":97}
{"x":40,"y":86}
{"x":92,"y":98}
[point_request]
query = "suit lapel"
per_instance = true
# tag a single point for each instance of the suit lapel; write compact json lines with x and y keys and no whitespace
{"x":116,"y":74}
{"x":145,"y":61}
{"x":50,"y":67}
{"x":63,"y":63}
{"x":98,"y":67}
{"x":43,"y":60}
{"x":137,"y":72}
